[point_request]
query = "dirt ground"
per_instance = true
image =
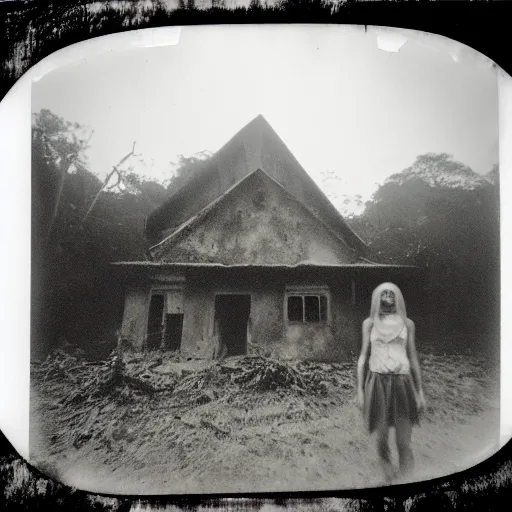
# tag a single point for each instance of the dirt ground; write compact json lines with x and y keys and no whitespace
{"x":155,"y":425}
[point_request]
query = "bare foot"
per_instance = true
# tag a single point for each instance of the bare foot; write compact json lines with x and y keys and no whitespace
{"x":389,"y":472}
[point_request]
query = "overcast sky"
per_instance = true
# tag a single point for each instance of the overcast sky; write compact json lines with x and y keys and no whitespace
{"x":340,"y":104}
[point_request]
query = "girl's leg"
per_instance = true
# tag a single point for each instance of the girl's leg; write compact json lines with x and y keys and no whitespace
{"x":403,"y":430}
{"x":384,"y":452}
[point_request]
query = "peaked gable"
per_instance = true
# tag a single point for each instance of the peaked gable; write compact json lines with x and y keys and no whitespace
{"x":255,"y":146}
{"x":255,"y":222}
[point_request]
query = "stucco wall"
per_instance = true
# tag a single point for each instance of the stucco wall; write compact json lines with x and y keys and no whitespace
{"x":198,"y":322}
{"x":269,"y":333}
{"x":256,"y":223}
{"x":266,"y":329}
{"x":136,"y":308}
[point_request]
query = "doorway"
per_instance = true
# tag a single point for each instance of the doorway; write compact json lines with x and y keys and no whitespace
{"x":155,"y":324}
{"x":165,"y":320}
{"x":232,"y":315}
{"x":173,"y":331}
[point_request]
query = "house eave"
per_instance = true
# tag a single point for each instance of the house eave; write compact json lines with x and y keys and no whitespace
{"x":185,"y":265}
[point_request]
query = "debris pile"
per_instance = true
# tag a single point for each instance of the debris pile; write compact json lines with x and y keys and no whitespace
{"x":127,"y":378}
{"x":58,"y":366}
{"x":322,"y":376}
{"x":93,"y":402}
{"x":262,"y":374}
{"x":133,"y":378}
{"x":90,"y":380}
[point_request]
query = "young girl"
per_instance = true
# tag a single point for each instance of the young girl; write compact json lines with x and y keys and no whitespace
{"x":392,"y":393}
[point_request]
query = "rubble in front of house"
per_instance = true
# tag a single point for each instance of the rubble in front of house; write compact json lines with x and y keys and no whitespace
{"x":94,"y":402}
{"x":187,"y":415}
{"x":128,"y":374}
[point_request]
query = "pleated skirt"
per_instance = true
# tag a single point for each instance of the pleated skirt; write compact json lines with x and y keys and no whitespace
{"x":388,"y":397}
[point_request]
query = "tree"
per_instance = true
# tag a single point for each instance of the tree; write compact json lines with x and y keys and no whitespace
{"x":61,"y":145}
{"x":444,"y":217}
{"x":74,"y":293}
{"x":185,"y":169}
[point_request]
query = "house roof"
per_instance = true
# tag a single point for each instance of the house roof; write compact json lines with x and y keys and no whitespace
{"x":253,"y":178}
{"x":255,"y":146}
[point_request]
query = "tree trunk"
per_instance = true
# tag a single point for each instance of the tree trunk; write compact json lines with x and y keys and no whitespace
{"x":63,"y":172}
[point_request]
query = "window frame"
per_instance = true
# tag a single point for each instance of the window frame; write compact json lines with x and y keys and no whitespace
{"x":303,"y":292}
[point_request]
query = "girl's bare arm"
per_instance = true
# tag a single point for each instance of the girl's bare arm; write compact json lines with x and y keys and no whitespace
{"x":363,"y":358}
{"x":413,"y":357}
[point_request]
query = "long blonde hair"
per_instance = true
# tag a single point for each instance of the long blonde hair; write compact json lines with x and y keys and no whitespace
{"x":375,"y":310}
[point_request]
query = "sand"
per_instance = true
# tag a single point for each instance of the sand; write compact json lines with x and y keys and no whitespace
{"x":202,"y":433}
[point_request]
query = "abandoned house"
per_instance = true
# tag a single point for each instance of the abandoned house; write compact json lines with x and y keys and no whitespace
{"x":250,"y":257}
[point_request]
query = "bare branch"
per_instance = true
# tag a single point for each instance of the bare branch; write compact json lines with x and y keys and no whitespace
{"x":117,"y":182}
{"x":123,"y":160}
{"x":115,"y":169}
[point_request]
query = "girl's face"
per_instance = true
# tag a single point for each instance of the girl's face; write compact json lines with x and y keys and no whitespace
{"x":387,"y":299}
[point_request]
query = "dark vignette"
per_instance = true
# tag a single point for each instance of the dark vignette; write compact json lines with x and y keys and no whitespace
{"x":27,"y":36}
{"x":29,"y":32}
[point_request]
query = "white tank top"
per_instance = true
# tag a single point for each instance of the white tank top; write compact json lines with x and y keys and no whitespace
{"x":391,"y":356}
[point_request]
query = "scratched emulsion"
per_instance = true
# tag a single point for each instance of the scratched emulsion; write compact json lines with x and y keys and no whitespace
{"x":24,"y":486}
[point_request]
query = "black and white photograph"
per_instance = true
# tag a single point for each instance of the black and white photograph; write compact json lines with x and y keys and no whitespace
{"x":265,"y":258}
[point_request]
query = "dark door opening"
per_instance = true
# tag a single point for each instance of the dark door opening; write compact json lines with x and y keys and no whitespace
{"x":232,"y":314}
{"x":173,"y":331}
{"x":155,"y":327}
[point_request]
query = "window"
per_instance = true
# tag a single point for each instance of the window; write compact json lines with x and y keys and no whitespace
{"x":307,"y":307}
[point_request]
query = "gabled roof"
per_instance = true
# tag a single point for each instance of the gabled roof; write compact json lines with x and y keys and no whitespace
{"x":250,"y":182}
{"x":255,"y":146}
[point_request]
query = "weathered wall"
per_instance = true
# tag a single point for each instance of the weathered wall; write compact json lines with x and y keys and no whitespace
{"x":197,"y":337}
{"x":133,"y":329}
{"x":268,"y":333}
{"x":336,"y":340}
{"x":267,"y":328}
{"x":256,"y":223}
